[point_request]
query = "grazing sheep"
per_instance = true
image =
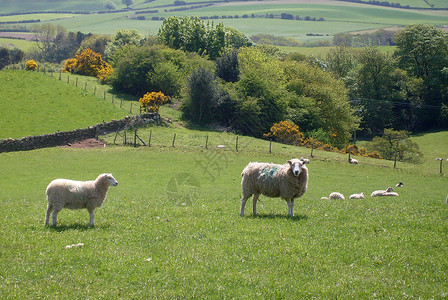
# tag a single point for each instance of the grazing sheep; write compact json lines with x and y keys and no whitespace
{"x":357,"y":196}
{"x":400,"y":184}
{"x":288,"y":181}
{"x":387,"y":192}
{"x":353,"y":161}
{"x":334,"y":195}
{"x":64,"y":193}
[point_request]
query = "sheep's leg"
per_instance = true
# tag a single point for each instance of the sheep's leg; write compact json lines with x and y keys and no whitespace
{"x":254,"y":203}
{"x":55,"y":215}
{"x":92,"y":216}
{"x":243,"y":204}
{"x":290,"y":207}
{"x":49,"y":210}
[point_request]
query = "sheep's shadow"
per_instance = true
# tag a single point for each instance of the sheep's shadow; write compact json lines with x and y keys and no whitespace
{"x":75,"y":226}
{"x":296,"y":218}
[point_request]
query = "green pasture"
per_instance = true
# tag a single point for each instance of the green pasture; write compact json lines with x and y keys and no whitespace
{"x":35,"y":103}
{"x":171,"y":228}
{"x":16,"y":43}
{"x":340,"y":17}
{"x":42,"y":17}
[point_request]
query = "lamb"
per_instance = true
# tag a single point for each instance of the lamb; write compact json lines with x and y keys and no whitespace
{"x":64,"y":193}
{"x":288,"y":181}
{"x":334,"y":195}
{"x":357,"y":196}
{"x":387,"y":192}
{"x":353,"y":161}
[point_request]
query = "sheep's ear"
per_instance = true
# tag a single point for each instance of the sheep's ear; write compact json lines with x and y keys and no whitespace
{"x":289,"y":162}
{"x":304,"y":160}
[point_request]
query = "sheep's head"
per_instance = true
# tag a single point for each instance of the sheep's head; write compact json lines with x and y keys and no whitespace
{"x":109,"y":178}
{"x":297,"y":165}
{"x":389,"y":189}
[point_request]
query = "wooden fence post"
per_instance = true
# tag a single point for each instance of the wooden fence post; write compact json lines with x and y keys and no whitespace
{"x":130,"y":110}
{"x":174,"y":139}
{"x":150,"y":135}
{"x":135,"y":138}
{"x":60,"y":75}
{"x":236,"y":147}
{"x":270,"y":146}
{"x":76,"y":82}
{"x":85,"y":87}
{"x":206,"y":143}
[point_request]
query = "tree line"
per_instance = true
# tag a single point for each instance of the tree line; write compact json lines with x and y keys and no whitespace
{"x":219,"y":78}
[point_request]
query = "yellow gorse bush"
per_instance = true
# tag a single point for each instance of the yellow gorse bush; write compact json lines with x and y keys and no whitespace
{"x":151,"y":101}
{"x":285,"y":132}
{"x":31,"y":65}
{"x":289,"y":133}
{"x":88,"y":62}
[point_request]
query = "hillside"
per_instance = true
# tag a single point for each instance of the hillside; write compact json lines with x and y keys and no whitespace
{"x":35,"y":103}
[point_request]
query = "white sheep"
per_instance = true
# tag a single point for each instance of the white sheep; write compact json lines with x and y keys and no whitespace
{"x":64,"y":193}
{"x":288,"y":181}
{"x":353,"y":161}
{"x":334,"y":196}
{"x":357,"y":196}
{"x":387,"y":192}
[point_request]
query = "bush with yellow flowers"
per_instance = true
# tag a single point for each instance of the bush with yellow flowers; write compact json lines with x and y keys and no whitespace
{"x":285,"y":132}
{"x":151,"y":101}
{"x":31,"y":65}
{"x":88,"y":62}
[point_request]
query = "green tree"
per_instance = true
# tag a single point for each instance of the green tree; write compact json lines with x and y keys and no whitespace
{"x":202,"y":97}
{"x":340,"y":61}
{"x":396,"y":145}
{"x":96,"y":42}
{"x":109,"y":5}
{"x":122,"y":38}
{"x":227,"y":67}
{"x":128,"y":3}
{"x":319,"y":100}
{"x":422,"y":50}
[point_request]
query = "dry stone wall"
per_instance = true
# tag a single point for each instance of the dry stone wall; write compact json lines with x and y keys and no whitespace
{"x":65,"y":137}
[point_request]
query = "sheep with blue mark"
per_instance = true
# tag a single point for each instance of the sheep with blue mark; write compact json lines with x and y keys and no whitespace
{"x":71,"y":194}
{"x":288,"y":181}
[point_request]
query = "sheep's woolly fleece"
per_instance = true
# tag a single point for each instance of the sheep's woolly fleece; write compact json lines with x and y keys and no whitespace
{"x":288,"y":181}
{"x":64,"y":193}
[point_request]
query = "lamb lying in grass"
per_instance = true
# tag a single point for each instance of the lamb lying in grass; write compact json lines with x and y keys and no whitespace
{"x":357,"y":196}
{"x":64,"y":193}
{"x":387,"y":192}
{"x":288,"y":181}
{"x":334,"y":195}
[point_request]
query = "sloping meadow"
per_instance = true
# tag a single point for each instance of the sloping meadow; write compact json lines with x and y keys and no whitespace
{"x":171,"y":229}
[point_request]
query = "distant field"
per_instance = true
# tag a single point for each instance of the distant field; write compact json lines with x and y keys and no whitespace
{"x":42,"y":17}
{"x":16,"y":43}
{"x":35,"y":103}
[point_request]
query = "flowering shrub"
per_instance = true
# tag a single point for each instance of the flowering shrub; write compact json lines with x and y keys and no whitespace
{"x":285,"y":132}
{"x":31,"y":65}
{"x":289,"y":133}
{"x":151,"y":102}
{"x":87,"y":62}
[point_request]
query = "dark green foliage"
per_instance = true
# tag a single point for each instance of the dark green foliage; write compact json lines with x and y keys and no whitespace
{"x":227,"y":67}
{"x":202,"y":97}
{"x":10,"y":56}
{"x":139,"y":70}
{"x":422,"y":50}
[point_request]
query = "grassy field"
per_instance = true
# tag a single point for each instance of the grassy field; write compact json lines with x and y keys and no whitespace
{"x":339,"y":17}
{"x":16,"y":43}
{"x":171,"y":228}
{"x":36,"y":103}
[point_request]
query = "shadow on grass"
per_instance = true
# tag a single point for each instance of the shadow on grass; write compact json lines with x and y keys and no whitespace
{"x":75,"y":226}
{"x":296,"y":218}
